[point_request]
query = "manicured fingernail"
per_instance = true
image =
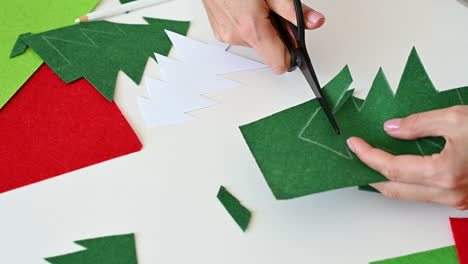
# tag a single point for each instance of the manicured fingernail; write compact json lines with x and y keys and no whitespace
{"x":315,"y":17}
{"x":392,"y":125}
{"x":350,"y":145}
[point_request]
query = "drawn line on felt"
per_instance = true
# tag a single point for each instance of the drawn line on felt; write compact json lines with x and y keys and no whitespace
{"x":348,"y":155}
{"x":83,"y":32}
{"x":459,"y":96}
{"x":300,"y":136}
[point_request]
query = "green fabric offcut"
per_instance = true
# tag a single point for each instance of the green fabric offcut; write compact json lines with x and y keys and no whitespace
{"x":17,"y":17}
{"x":367,"y":188}
{"x":445,"y":255}
{"x":118,"y":249}
{"x":98,"y":50}
{"x":299,"y":153}
{"x":239,"y":213}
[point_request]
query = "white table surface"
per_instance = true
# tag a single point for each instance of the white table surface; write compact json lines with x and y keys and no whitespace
{"x":166,"y":193}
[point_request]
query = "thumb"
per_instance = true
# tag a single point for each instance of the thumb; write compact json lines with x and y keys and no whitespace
{"x":427,"y":124}
{"x":286,"y":9}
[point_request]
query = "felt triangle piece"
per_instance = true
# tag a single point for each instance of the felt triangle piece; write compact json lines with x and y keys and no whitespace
{"x":299,"y":153}
{"x":50,"y":128}
{"x":18,"y":17}
{"x":188,"y":80}
{"x":118,"y":249}
{"x":460,"y":235}
{"x":98,"y":50}
{"x":446,"y":255}
{"x":238,"y":212}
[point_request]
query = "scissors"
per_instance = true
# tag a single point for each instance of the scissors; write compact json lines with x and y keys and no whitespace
{"x":300,"y":57}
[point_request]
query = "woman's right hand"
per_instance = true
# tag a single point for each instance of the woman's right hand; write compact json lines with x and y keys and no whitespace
{"x":247,"y":23}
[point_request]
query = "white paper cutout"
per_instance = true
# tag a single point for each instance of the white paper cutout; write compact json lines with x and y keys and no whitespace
{"x":188,"y":80}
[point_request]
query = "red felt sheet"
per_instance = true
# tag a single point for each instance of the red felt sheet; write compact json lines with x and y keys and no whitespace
{"x":50,"y":128}
{"x":460,"y":234}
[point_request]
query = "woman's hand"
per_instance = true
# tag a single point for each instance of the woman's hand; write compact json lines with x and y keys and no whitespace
{"x":247,"y":23}
{"x":440,"y":178}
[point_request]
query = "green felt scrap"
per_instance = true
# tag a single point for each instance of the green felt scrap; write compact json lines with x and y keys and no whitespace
{"x":299,"y":153}
{"x":367,"y":188}
{"x":119,"y":249}
{"x":445,"y":255}
{"x":239,"y":213}
{"x":17,"y":17}
{"x":126,"y":1}
{"x":20,"y":47}
{"x":98,"y":50}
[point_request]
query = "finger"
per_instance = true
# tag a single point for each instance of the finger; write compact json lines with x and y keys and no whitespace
{"x":286,"y":9}
{"x":416,"y":192}
{"x":421,"y":193}
{"x":404,"y":168}
{"x":426,"y":124}
{"x":261,"y":35}
{"x":223,"y":30}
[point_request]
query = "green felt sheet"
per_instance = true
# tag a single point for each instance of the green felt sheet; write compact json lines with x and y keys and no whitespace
{"x":239,"y":213}
{"x":118,"y":249}
{"x":445,"y":255}
{"x":17,"y":17}
{"x":299,"y":153}
{"x":98,"y":50}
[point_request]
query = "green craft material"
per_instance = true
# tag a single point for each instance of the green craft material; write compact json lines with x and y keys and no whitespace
{"x":367,"y":188}
{"x":104,"y":250}
{"x":98,"y":50}
{"x":445,"y":255}
{"x":126,"y":1}
{"x":239,"y":213}
{"x":17,"y":17}
{"x":299,"y":153}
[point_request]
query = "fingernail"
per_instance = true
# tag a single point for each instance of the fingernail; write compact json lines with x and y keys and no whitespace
{"x":350,"y":145}
{"x":392,"y":125}
{"x":315,"y":17}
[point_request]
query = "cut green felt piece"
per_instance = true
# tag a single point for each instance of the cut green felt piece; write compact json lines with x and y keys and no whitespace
{"x":239,"y":213}
{"x":17,"y":17}
{"x":337,"y":91}
{"x":20,"y":47}
{"x":104,"y":250}
{"x":299,"y":153}
{"x":126,"y":1}
{"x":445,"y":255}
{"x":367,"y":188}
{"x":98,"y":50}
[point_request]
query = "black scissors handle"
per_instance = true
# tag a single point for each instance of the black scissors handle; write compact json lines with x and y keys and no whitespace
{"x":298,"y":32}
{"x":299,"y":55}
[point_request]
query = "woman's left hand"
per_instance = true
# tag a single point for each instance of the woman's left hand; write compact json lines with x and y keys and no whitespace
{"x":440,"y":178}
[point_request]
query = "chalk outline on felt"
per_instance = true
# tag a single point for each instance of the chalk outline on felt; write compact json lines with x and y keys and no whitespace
{"x":83,"y":32}
{"x":359,"y":108}
{"x":300,"y":136}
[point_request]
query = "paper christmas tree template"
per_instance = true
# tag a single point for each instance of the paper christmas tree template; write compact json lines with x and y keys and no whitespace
{"x":299,"y":154}
{"x":17,"y":17}
{"x":186,"y":81}
{"x":119,"y":249}
{"x":98,"y":50}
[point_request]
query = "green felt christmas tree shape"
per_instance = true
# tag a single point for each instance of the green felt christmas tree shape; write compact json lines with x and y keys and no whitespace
{"x":119,"y":249}
{"x":98,"y":50}
{"x":299,"y":154}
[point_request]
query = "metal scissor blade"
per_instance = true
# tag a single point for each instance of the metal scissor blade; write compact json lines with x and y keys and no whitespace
{"x":315,"y":86}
